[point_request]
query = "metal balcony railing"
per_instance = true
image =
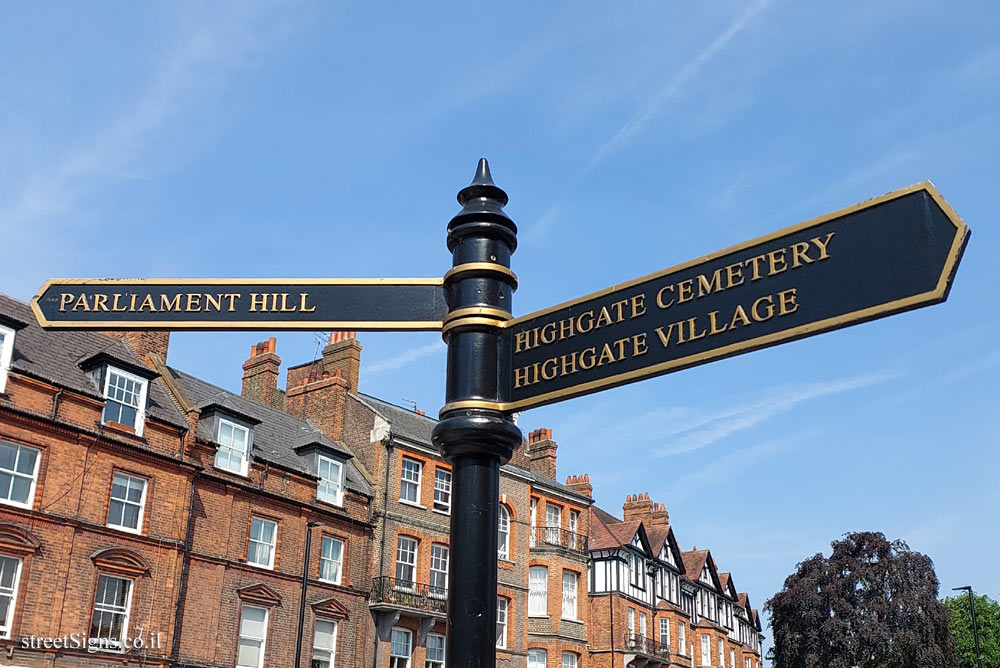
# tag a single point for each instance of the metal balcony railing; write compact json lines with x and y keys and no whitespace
{"x":644,"y":645}
{"x":558,"y":536}
{"x":408,"y":594}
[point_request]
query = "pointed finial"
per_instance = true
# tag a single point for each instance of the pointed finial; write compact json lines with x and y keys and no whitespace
{"x":483,"y":176}
{"x":482,"y":187}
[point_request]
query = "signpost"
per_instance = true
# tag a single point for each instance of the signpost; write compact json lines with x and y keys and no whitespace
{"x":890,"y":254}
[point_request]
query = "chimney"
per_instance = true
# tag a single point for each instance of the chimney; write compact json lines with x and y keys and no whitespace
{"x":580,"y":484}
{"x":542,"y":453}
{"x":637,"y":507}
{"x":260,"y":375}
{"x":145,"y":342}
{"x":343,"y":354}
{"x":659,"y":516}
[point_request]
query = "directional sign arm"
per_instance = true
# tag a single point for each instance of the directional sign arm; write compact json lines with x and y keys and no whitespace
{"x":890,"y":254}
{"x":377,"y":304}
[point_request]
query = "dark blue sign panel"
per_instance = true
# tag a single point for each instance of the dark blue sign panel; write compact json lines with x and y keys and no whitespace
{"x":884,"y":256}
{"x":242,"y":304}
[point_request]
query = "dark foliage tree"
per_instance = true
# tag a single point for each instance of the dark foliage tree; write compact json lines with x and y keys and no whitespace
{"x":871,"y":604}
{"x":988,"y":621}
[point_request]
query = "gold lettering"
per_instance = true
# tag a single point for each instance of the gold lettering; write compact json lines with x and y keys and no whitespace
{"x":193,"y":302}
{"x":101,"y":302}
{"x":638,"y":305}
{"x":148,"y":304}
{"x":131,"y":306}
{"x":665,"y":338}
{"x":800,"y":254}
{"x":548,"y":333}
{"x":521,"y":377}
{"x":588,"y":358}
{"x":232,"y":297}
{"x":547,"y":373}
{"x":521,"y":341}
{"x":685,"y":291}
{"x":767,"y":299}
{"x":756,"y":260}
{"x":215,"y":301}
{"x":572,"y":364}
{"x":620,"y":343}
{"x":604,"y":318}
{"x":787,"y":302}
{"x":706,"y":287}
{"x":639,"y":346}
{"x":740,"y":315}
{"x":114,"y":304}
{"x":733,"y":272}
{"x":692,"y":336}
{"x":821,"y":245}
{"x":64,"y":299}
{"x":606,"y":353}
{"x":303,"y":296}
{"x":618,"y":309}
{"x":659,"y":296}
{"x":776,"y":261}
{"x":167,"y":304}
{"x":589,"y":316}
{"x":284,"y":304}
{"x":81,"y":303}
{"x":713,"y":327}
{"x":258,"y":301}
{"x":566,"y":328}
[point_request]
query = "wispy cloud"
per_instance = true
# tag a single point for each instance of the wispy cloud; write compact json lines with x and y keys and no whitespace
{"x":405,"y":357}
{"x":654,"y":106}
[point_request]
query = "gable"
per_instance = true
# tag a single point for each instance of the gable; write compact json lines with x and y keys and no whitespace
{"x":259,"y":593}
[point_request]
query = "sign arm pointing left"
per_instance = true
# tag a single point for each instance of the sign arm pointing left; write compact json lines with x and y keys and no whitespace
{"x":363,"y":304}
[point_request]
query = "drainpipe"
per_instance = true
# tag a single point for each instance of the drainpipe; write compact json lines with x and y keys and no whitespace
{"x":381,"y":555}
{"x":175,"y":644}
{"x":302,"y":598}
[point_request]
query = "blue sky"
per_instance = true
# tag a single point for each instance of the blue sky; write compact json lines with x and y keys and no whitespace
{"x":328,"y":140}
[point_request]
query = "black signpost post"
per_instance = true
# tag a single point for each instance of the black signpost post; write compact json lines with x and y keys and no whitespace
{"x":890,"y":254}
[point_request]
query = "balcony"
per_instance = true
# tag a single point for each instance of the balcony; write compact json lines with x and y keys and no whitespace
{"x":411,"y":598}
{"x":558,"y":537}
{"x":643,"y":652}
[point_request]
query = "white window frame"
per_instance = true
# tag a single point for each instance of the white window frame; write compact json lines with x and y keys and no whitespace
{"x":336,"y":564}
{"x":140,"y":409}
{"x":437,"y":550}
{"x":402,"y":661}
{"x":537,"y":658}
{"x":534,"y":523}
{"x":6,"y":352}
{"x":569,"y":595}
{"x":408,"y":483}
{"x":552,"y":531}
{"x":331,"y":650}
{"x":631,"y":622}
{"x":411,"y":582}
{"x":101,"y":607}
{"x":569,"y":660}
{"x":11,"y":593}
{"x":273,"y":546}
{"x":245,"y":458}
{"x":706,"y":649}
{"x":14,"y":473}
{"x":330,"y":489}
{"x":732,"y":658}
{"x":442,"y":489}
{"x":503,"y":533}
{"x":538,"y":591}
{"x":428,"y":661}
{"x":125,"y":502}
{"x":574,"y":527}
{"x":681,"y":637}
{"x":262,"y":639}
{"x":665,"y":632}
{"x":502,"y":609}
{"x":722,"y":653}
{"x":642,"y":624}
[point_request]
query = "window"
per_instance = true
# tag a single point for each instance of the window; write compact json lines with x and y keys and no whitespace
{"x":400,"y":648}
{"x":746,"y":662}
{"x":324,"y":644}
{"x":706,"y":649}
{"x":331,"y":559}
{"x":665,"y":632}
{"x":631,"y":622}
{"x":442,"y":490}
{"x":501,"y":622}
{"x":409,"y":483}
{"x":439,"y":569}
{"x":331,"y":481}
{"x":6,"y":352}
{"x":18,"y":472}
{"x":681,"y":640}
{"x":574,"y":527}
{"x":538,"y":595}
{"x":262,"y":541}
{"x":128,"y":497}
{"x":232,"y":453}
{"x":732,"y":658}
{"x":534,"y":522}
{"x":253,"y":634}
{"x":125,"y":399}
{"x":722,"y":652}
{"x":111,"y":607}
{"x":434,"y":651}
{"x":406,"y":561}
{"x":553,"y":517}
{"x":568,"y":660}
{"x":537,"y":658}
{"x":569,"y":581}
{"x":10,"y":573}
{"x":642,"y":624}
{"x":503,"y":534}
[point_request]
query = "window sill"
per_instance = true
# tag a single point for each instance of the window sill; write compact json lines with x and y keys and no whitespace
{"x":135,"y":532}
{"x":446,"y":513}
{"x":531,"y":616}
{"x":17,"y":504}
{"x":263,"y":567}
{"x":412,"y":503}
{"x":572,"y":619}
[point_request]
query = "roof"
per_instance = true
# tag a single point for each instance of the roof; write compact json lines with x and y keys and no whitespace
{"x":276,"y":436}
{"x":610,"y":532}
{"x":56,"y":357}
{"x":694,"y":561}
{"x":415,"y":427}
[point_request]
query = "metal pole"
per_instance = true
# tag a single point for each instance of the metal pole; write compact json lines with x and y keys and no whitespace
{"x":975,"y":626}
{"x":302,"y":597}
{"x":473,"y":434}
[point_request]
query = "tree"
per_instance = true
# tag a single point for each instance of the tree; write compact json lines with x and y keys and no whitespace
{"x":988,"y":621}
{"x":871,"y":604}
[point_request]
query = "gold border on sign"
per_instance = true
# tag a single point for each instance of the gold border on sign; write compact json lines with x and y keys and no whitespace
{"x":246,"y":325}
{"x":936,"y":295}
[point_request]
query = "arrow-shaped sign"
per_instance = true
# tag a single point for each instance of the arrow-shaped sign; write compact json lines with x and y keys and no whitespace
{"x":890,"y":254}
{"x":373,"y":304}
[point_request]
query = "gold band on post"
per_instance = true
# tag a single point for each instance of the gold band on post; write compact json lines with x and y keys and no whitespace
{"x":470,"y":320}
{"x":490,"y":267}
{"x":471,"y":403}
{"x":484,"y":311}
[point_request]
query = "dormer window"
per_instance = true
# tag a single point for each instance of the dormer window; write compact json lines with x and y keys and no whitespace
{"x":6,"y":351}
{"x":331,"y":481}
{"x":125,"y":399}
{"x":233,"y":442}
